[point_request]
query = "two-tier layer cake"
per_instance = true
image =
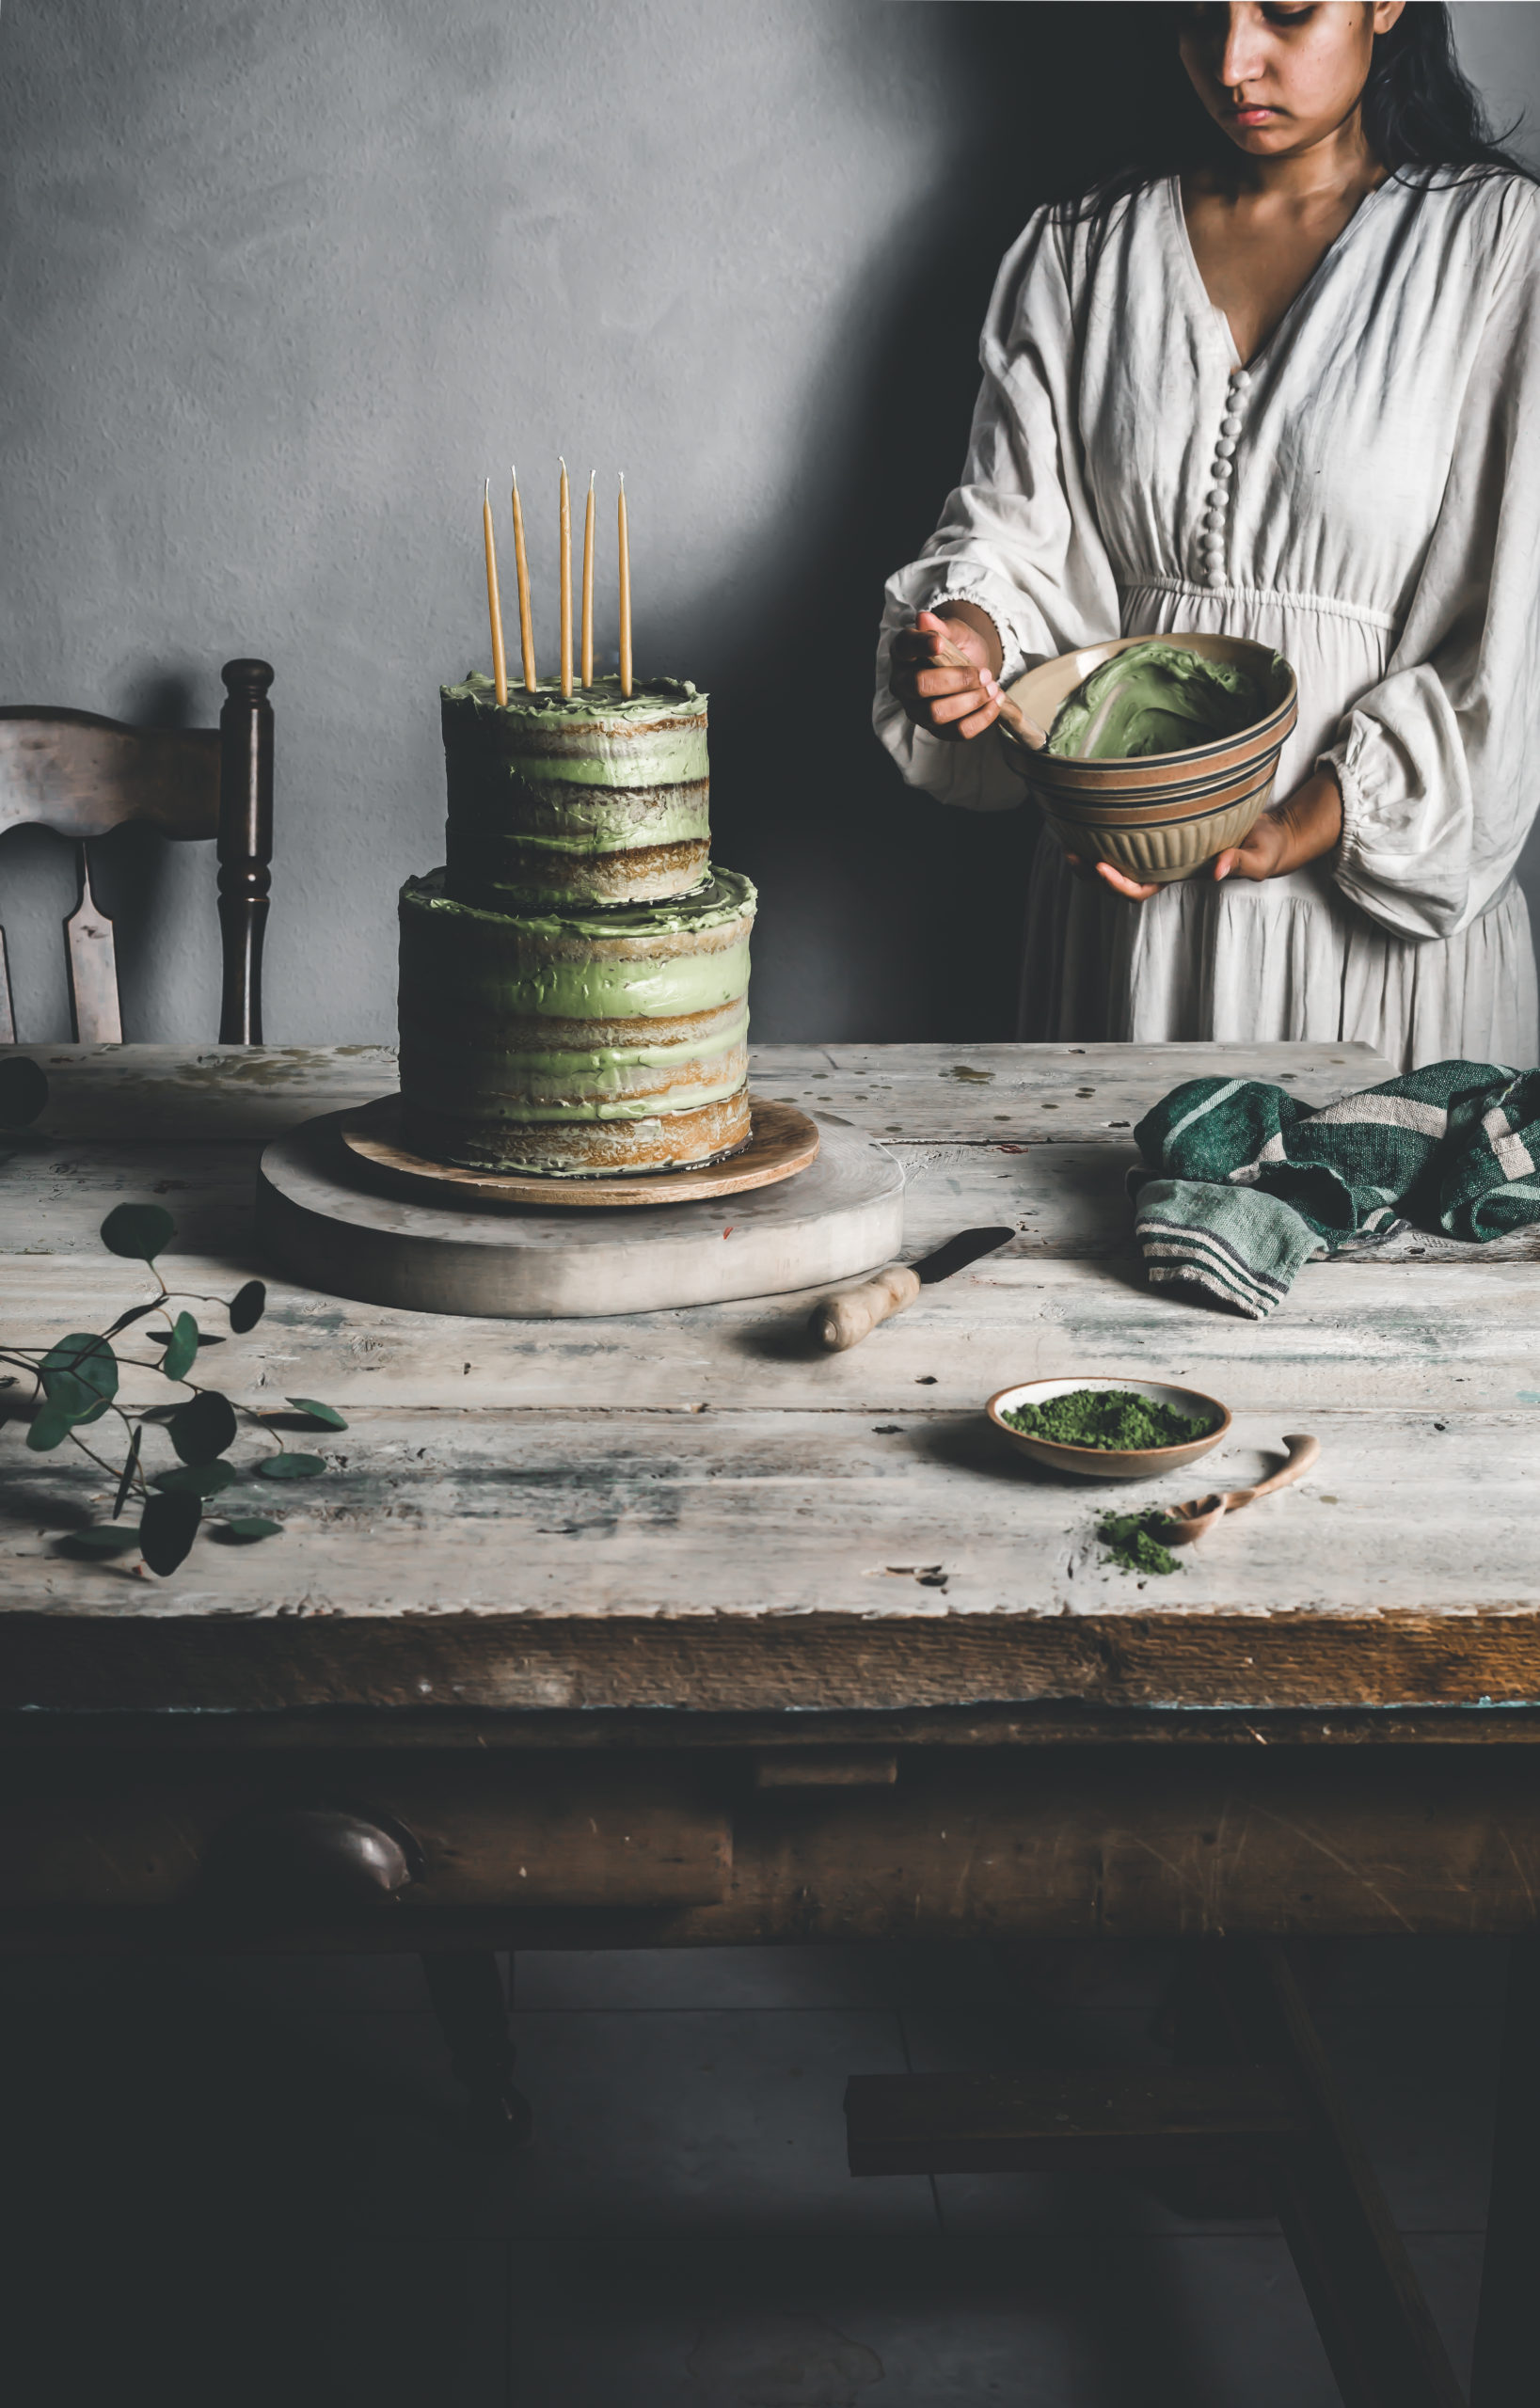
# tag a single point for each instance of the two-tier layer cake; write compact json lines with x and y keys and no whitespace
{"x":574,"y":981}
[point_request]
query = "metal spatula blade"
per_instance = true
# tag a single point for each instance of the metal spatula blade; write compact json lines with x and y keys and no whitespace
{"x":957,"y":1254}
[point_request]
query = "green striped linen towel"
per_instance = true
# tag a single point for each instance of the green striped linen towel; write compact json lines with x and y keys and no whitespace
{"x":1241,"y":1184}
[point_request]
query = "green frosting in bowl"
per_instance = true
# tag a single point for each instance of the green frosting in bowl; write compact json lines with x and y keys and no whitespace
{"x":1155,"y":697}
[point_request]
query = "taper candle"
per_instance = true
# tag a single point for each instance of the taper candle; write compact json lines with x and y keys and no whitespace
{"x":588,"y":584}
{"x":625,"y":596}
{"x":564,"y":548}
{"x":500,"y":664}
{"x":521,"y":566}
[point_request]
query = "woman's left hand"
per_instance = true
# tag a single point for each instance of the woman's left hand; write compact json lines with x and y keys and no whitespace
{"x":1298,"y":831}
{"x":1285,"y":838}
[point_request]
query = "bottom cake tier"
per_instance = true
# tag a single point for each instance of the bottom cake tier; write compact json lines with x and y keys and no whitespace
{"x":574,"y":1045}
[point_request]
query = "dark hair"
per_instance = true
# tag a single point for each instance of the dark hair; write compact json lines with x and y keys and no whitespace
{"x":1421,"y":112}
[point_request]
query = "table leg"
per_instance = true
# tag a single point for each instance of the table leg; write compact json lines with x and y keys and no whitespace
{"x":467,"y":1994}
{"x":1385,"y":2349}
{"x":1504,"y":2374}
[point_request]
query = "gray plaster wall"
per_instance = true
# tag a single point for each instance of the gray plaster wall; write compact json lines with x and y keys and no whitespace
{"x":282,"y":280}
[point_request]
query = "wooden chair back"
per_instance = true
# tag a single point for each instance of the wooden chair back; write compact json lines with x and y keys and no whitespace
{"x":79,"y":775}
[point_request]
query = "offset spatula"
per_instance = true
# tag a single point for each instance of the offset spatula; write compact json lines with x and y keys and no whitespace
{"x":845,"y":1320}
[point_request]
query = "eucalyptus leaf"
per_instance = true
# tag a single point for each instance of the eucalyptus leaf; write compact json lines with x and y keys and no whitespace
{"x":23,"y":1090}
{"x":102,"y":1539}
{"x":126,"y":1482}
{"x":247,"y":1305}
{"x":181,"y":1348}
{"x":80,"y":1372}
{"x":292,"y":1466}
{"x":168,"y":1528}
{"x":326,"y":1414}
{"x":71,"y":1397}
{"x":247,"y":1528}
{"x":203,"y":1427}
{"x":197,"y":1480}
{"x":138,"y":1231}
{"x":49,"y":1428}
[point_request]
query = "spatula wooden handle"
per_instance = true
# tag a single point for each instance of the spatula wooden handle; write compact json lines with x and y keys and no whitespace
{"x":1031,"y":735}
{"x":845,"y":1320}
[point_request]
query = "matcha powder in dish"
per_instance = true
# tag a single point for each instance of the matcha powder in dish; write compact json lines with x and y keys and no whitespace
{"x":1116,"y":1419}
{"x":1155,"y":697}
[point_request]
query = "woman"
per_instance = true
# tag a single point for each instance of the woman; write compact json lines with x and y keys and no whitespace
{"x":1288,"y":389}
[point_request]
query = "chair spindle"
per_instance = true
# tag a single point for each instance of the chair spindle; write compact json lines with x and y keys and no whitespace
{"x":246,"y":843}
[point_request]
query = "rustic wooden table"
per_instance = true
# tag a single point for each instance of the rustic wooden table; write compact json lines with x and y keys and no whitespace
{"x":735,"y":1569}
{"x":665,"y":1629}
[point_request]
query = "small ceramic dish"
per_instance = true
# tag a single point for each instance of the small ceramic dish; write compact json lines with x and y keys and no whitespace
{"x":1108,"y":1462}
{"x":1162,"y":816}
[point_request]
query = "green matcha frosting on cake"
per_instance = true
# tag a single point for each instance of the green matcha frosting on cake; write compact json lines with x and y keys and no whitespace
{"x":574,"y":981}
{"x":574,"y":1041}
{"x":595,"y":797}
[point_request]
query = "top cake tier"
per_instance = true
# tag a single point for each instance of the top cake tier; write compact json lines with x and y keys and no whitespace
{"x":597,"y":798}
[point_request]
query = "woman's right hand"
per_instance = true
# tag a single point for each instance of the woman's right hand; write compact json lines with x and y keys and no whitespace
{"x":953,"y":704}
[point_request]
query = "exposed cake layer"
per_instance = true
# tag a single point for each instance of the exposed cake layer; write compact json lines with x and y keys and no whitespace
{"x":595,"y":798}
{"x":575,"y":1042}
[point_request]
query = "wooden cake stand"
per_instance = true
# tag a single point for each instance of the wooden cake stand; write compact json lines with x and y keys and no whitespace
{"x":426,"y":1239}
{"x":784,"y":1141}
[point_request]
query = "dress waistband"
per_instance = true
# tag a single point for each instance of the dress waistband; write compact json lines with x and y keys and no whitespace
{"x":1280,"y":597}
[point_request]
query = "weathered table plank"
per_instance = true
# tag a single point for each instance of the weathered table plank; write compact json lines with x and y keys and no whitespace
{"x":939,"y":1093}
{"x":763,"y":1512}
{"x":1436,"y":1338}
{"x":928,"y":1093}
{"x":1067,"y":1200}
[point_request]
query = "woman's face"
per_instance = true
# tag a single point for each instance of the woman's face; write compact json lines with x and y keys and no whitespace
{"x":1281,"y":78}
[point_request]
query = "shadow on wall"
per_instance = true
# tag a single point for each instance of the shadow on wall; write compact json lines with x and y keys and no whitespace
{"x":803,"y":798}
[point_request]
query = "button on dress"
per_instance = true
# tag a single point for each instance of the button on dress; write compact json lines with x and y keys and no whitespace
{"x":1363,"y":496}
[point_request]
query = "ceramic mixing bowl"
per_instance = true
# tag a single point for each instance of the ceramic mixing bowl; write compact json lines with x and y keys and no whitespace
{"x":1164,"y":815}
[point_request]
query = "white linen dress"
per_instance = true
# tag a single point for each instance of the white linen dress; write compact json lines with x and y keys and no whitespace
{"x":1365,"y":498}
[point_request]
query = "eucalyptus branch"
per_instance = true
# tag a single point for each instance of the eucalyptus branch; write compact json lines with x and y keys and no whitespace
{"x":75,"y":1383}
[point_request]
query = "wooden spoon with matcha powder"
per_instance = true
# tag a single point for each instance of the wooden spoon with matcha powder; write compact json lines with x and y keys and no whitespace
{"x":1200,"y":1514}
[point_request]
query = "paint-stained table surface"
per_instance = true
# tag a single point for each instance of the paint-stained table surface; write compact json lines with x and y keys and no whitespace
{"x":687,"y":1518}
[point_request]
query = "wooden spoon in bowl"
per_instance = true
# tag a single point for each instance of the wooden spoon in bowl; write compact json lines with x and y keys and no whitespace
{"x":1201,"y":1513}
{"x":1025,"y":730}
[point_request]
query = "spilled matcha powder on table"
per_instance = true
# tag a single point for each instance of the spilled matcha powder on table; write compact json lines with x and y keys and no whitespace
{"x":1107,"y":1417}
{"x":1153,"y":698}
{"x":1135,"y":1542}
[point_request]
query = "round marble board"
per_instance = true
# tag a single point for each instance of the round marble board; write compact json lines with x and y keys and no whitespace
{"x":784,"y":1142}
{"x":323,"y":1216}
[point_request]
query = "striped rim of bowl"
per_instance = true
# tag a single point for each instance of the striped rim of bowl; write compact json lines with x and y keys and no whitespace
{"x":1187,"y":804}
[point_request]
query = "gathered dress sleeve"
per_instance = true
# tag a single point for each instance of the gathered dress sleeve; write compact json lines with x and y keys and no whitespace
{"x":1437,"y":764}
{"x":1018,"y":537}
